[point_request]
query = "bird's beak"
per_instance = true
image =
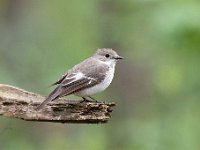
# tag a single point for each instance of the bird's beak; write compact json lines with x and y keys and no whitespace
{"x":119,"y":57}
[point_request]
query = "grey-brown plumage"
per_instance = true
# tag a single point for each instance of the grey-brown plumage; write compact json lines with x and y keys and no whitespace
{"x":86,"y":75}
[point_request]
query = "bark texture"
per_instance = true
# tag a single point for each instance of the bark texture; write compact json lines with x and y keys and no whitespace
{"x":18,"y":103}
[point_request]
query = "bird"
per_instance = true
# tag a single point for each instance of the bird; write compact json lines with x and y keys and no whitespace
{"x":91,"y":76}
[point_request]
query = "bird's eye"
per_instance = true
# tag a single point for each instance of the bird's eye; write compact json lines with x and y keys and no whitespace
{"x":107,"y":55}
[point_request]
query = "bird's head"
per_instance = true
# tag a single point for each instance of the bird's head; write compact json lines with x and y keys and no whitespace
{"x":107,"y":55}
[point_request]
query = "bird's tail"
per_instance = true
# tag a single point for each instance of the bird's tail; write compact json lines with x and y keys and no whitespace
{"x":52,"y":96}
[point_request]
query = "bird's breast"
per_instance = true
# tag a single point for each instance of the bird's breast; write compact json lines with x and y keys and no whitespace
{"x":99,"y":87}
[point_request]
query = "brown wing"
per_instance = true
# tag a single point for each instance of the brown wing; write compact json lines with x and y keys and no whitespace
{"x":93,"y":74}
{"x":74,"y":87}
{"x":66,"y":89}
{"x":79,"y":85}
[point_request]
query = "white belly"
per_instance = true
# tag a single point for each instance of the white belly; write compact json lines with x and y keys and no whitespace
{"x":99,"y":87}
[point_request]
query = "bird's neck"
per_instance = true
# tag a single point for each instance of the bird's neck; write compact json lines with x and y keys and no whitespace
{"x":111,"y":63}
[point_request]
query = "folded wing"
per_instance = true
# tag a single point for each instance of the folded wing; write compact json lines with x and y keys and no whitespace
{"x":86,"y":75}
{"x":72,"y":84}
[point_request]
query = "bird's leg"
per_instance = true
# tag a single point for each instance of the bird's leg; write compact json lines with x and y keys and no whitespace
{"x":92,"y":98}
{"x":85,"y":100}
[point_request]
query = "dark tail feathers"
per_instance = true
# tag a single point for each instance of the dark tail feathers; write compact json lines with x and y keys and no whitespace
{"x":54,"y":95}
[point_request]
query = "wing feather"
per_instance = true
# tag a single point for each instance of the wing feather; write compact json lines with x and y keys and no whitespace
{"x":78,"y":85}
{"x":86,"y":75}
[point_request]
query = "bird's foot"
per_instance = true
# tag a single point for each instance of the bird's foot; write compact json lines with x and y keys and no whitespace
{"x":94,"y":100}
{"x":85,"y":100}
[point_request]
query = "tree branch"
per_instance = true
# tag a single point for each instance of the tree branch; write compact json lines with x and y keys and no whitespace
{"x":18,"y":103}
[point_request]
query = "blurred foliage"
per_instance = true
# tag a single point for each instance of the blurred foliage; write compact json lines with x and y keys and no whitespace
{"x":156,"y":87}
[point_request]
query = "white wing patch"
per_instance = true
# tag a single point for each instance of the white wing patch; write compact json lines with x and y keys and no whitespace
{"x":91,"y":79}
{"x":78,"y":76}
{"x":98,"y":87}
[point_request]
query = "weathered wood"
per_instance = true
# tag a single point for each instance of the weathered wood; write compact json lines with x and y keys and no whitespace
{"x":18,"y":103}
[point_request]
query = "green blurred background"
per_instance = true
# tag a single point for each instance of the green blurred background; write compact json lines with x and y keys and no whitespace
{"x":156,"y":87}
